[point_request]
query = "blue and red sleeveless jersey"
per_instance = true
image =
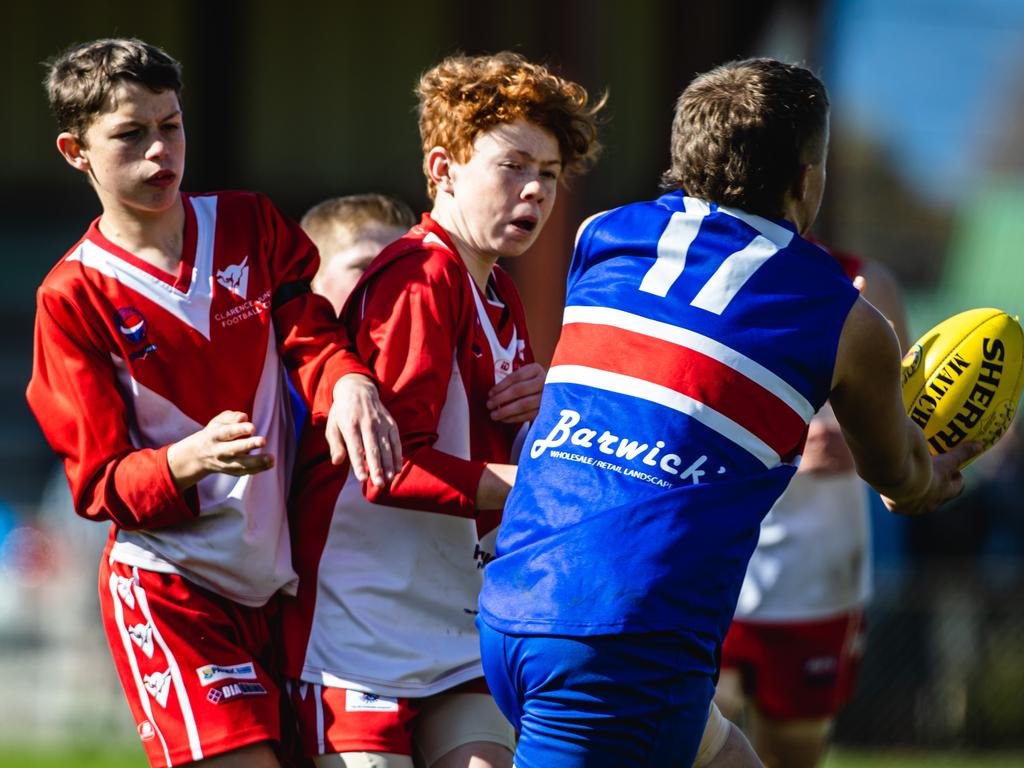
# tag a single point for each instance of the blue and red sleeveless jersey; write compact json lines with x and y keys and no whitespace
{"x":697,"y":343}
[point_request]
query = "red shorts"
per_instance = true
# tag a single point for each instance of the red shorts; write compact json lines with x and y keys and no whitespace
{"x":193,"y":665}
{"x":333,"y":720}
{"x":797,"y":670}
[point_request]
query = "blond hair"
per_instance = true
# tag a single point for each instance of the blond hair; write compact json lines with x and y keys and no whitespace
{"x":335,"y":223}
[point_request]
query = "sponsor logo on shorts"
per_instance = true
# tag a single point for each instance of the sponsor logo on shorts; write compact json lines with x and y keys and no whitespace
{"x":212,"y":673}
{"x":146,"y":731}
{"x":359,"y":701}
{"x":231,"y":691}
{"x":159,"y":685}
{"x":142,"y":636}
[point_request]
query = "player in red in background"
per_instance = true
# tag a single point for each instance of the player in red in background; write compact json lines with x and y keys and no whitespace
{"x":158,"y":379}
{"x":349,"y":232}
{"x":381,"y":641}
{"x":792,"y":654}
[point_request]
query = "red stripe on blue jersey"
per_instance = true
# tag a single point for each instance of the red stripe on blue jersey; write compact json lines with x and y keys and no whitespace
{"x":688,"y":372}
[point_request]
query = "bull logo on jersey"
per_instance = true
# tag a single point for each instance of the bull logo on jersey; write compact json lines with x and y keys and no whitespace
{"x":159,"y":686}
{"x":235,"y":278}
{"x":124,"y":589}
{"x":134,"y":328}
{"x":142,"y":636}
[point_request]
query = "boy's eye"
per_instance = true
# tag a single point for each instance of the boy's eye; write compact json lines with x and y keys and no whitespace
{"x":511,"y":165}
{"x":127,"y":135}
{"x":549,"y":174}
{"x":171,"y":127}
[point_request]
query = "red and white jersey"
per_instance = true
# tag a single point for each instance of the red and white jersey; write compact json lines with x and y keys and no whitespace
{"x":129,"y":359}
{"x":813,"y":557}
{"x":388,"y":591}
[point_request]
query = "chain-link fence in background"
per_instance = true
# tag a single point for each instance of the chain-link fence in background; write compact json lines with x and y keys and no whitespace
{"x":944,"y":661}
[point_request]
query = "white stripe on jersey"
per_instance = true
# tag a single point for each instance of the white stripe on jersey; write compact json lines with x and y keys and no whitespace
{"x":684,"y":337}
{"x":192,"y":307}
{"x":129,"y":651}
{"x":179,"y":684}
{"x":656,"y":393}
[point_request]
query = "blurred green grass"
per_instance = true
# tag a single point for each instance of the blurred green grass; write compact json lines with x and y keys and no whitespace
{"x":87,"y":756}
{"x":897,"y":759}
{"x":130,"y":756}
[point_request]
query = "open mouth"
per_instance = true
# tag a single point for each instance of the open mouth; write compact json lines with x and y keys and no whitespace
{"x":524,"y":225}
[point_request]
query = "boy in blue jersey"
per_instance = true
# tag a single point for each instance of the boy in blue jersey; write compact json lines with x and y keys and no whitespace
{"x":701,"y":334}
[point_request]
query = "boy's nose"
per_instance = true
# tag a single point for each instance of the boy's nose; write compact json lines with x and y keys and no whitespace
{"x":533,"y":190}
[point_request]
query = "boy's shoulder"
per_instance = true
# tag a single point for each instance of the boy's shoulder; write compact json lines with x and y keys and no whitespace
{"x":419,"y":256}
{"x":66,"y":275}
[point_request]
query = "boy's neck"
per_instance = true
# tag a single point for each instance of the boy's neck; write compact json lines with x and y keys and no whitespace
{"x":155,"y":238}
{"x":479,"y":265}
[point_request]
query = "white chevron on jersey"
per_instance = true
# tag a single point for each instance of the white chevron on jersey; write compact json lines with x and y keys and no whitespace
{"x":229,"y":504}
{"x":656,"y":393}
{"x":191,"y":307}
{"x":705,"y":345}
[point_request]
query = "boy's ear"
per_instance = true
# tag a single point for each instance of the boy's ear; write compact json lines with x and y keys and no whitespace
{"x":439,"y":168}
{"x":798,"y":190}
{"x":71,"y":148}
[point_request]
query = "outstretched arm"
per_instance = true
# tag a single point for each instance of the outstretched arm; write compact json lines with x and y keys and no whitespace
{"x":888,"y":448}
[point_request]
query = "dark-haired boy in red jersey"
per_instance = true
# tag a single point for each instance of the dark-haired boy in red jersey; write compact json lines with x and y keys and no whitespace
{"x":160,"y":346}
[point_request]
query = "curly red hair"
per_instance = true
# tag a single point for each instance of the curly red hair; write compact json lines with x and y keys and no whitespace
{"x":465,"y":96}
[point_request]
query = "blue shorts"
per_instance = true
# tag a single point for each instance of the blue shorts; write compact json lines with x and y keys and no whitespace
{"x":607,"y":700}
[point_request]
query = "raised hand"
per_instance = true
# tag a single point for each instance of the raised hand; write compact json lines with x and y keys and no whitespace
{"x":224,"y":445}
{"x":516,"y":398}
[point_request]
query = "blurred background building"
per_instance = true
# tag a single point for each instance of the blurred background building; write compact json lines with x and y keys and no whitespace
{"x":305,"y":99}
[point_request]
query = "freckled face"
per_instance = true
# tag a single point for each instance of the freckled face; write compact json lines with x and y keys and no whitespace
{"x":135,"y":154}
{"x":504,"y":193}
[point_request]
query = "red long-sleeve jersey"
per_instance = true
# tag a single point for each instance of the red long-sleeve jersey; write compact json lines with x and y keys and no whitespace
{"x":388,"y":590}
{"x":129,"y":359}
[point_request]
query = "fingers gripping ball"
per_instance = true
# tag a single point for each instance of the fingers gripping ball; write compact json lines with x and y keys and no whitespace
{"x":962,"y":380}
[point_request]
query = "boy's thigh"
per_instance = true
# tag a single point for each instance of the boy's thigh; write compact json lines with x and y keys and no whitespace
{"x":613,"y":700}
{"x":453,"y":719}
{"x":196,"y":668}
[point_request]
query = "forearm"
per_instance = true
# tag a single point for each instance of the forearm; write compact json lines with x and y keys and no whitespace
{"x":905,"y":479}
{"x":135,"y":491}
{"x":496,"y":483}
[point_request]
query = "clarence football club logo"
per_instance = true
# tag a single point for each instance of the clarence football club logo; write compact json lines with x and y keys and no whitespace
{"x":135,"y":330}
{"x":235,"y":278}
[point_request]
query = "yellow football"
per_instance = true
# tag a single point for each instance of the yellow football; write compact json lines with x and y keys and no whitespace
{"x":962,"y":380}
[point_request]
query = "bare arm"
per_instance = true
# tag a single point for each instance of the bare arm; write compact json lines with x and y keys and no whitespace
{"x":884,"y":294}
{"x":496,"y":482}
{"x":826,"y":451}
{"x":888,"y":448}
